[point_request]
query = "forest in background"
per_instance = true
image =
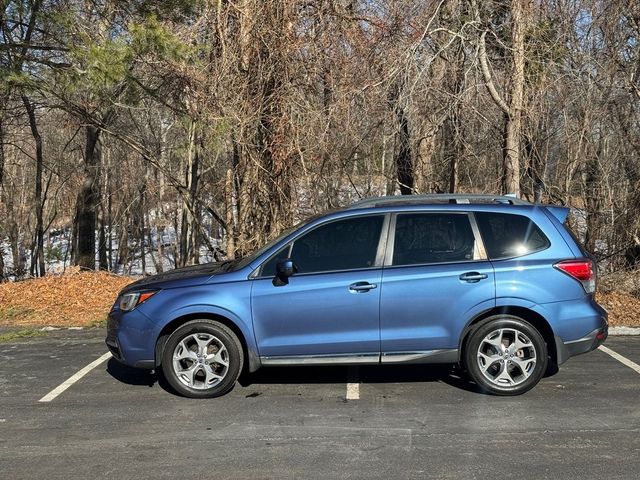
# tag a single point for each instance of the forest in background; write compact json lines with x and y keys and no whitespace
{"x":168,"y":131}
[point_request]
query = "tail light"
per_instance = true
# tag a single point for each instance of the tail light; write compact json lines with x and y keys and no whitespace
{"x":582,"y":270}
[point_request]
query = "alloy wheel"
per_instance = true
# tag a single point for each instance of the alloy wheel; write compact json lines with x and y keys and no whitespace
{"x":200,"y":361}
{"x":506,"y":357}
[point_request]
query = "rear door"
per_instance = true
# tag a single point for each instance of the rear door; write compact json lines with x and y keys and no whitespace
{"x":436,"y":278}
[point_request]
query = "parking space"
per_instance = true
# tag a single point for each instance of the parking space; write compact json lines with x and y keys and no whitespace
{"x":404,"y":422}
{"x":628,"y":346}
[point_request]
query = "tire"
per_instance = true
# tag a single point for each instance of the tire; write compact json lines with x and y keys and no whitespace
{"x":506,"y":355}
{"x":202,"y":359}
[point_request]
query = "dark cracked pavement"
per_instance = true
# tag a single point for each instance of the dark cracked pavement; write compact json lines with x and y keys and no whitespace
{"x":290,"y":423}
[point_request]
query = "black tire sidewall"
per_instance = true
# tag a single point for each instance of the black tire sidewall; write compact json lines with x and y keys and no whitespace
{"x":231,"y":343}
{"x":505,"y":321}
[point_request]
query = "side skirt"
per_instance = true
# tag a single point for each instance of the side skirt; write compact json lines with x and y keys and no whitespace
{"x":416,"y":357}
{"x":358,"y":358}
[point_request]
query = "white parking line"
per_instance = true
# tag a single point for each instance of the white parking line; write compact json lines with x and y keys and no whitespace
{"x":74,"y":378}
{"x":353,"y":384}
{"x":620,"y":358}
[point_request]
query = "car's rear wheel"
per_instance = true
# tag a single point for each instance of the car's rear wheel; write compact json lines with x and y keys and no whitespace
{"x":202,"y":359}
{"x":506,"y":355}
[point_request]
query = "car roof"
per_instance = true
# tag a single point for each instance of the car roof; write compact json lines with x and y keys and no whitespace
{"x":438,"y":198}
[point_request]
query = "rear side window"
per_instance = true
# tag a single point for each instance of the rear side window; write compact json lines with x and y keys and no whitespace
{"x":425,"y":238}
{"x":507,"y":235}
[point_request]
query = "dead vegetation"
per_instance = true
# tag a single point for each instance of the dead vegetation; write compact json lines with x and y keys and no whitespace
{"x":76,"y":298}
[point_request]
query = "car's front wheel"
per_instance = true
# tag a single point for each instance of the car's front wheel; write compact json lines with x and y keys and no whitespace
{"x":202,"y":359}
{"x":506,"y":355}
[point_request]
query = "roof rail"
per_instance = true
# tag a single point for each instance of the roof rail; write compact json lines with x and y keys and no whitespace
{"x":436,"y":198}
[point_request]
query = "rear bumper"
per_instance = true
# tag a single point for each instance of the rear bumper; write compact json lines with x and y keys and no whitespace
{"x":585,"y":344}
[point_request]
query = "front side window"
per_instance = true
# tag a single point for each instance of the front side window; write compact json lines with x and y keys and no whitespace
{"x":507,"y":235}
{"x":423,"y":238}
{"x":340,"y":245}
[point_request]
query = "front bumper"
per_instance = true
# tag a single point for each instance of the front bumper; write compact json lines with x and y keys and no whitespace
{"x":130,"y":338}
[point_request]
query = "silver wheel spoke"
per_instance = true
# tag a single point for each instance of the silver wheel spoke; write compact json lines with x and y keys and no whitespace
{"x":495,"y":341}
{"x":518,"y":344}
{"x":504,"y":376}
{"x":188,"y":374}
{"x":202,"y":343}
{"x":487,"y":360}
{"x":211,"y":375}
{"x":523,"y":364}
{"x":184,"y":352}
{"x":218,"y":358}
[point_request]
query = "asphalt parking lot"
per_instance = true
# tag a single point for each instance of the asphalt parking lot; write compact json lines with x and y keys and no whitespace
{"x":285,"y":423}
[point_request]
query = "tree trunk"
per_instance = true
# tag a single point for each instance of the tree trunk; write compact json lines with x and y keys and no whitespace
{"x":2,"y":277}
{"x":37,"y":257}
{"x":2,"y":148}
{"x":593,"y":194}
{"x":453,"y":145}
{"x":230,"y":214}
{"x":404,"y":160}
{"x":88,"y":200}
{"x":511,"y":156}
{"x":188,"y":234}
{"x":510,"y":182}
{"x":102,"y":246}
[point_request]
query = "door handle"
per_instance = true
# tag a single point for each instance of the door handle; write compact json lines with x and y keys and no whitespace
{"x":473,"y":277}
{"x":361,"y":287}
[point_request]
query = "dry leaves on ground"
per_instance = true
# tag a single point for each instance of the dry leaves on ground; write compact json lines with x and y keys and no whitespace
{"x":624,"y":309}
{"x":76,"y":298}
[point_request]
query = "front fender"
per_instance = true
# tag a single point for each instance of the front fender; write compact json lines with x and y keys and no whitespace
{"x":171,"y":305}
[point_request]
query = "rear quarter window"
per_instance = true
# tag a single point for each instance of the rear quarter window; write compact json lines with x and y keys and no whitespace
{"x":507,"y":235}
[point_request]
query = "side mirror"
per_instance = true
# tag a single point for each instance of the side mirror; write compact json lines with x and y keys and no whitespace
{"x":284,"y":269}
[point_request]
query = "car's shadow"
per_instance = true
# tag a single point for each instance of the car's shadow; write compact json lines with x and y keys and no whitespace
{"x":131,"y":376}
{"x":449,"y":374}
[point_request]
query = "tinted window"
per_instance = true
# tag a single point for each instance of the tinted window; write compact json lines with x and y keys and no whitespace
{"x":340,"y":245}
{"x":507,"y":235}
{"x":433,"y":238}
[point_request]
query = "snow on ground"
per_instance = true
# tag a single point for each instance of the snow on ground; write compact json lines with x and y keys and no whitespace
{"x":58,"y":254}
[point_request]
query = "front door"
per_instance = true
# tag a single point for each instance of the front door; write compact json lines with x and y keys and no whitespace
{"x":329,"y":310}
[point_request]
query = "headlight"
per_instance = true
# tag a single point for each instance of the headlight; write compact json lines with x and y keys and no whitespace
{"x":129,"y":301}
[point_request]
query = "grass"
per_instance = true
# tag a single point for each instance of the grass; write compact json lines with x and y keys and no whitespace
{"x":10,"y":314}
{"x":20,"y":334}
{"x":98,"y":323}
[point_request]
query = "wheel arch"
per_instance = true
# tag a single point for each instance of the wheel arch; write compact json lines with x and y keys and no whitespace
{"x":251,"y":359}
{"x":534,"y":318}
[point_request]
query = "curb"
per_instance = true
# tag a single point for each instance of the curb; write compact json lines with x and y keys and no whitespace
{"x":624,"y":331}
{"x":53,"y":329}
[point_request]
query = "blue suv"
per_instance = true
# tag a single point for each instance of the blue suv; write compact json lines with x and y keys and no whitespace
{"x":495,"y":284}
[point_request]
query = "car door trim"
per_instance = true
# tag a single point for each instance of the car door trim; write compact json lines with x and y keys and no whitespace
{"x":445,"y":355}
{"x":361,"y":358}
